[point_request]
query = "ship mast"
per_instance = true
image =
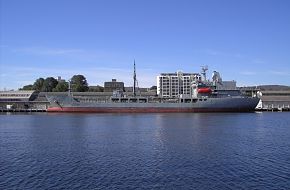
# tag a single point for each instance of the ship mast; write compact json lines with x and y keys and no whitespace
{"x":134,"y":77}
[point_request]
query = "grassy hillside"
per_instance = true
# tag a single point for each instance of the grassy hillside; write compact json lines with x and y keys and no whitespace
{"x":269,"y":87}
{"x":274,"y":87}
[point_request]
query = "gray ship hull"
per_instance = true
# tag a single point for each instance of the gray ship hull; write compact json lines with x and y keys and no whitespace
{"x":226,"y":104}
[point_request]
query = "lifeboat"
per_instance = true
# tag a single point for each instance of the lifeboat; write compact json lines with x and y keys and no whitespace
{"x":204,"y":90}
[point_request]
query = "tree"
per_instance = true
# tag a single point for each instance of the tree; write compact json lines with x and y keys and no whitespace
{"x":79,"y":83}
{"x":27,"y":87}
{"x":62,"y":86}
{"x":38,"y":84}
{"x":96,"y":88}
{"x":49,"y":84}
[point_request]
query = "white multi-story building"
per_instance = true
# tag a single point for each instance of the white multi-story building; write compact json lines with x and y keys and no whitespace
{"x":178,"y":84}
{"x":172,"y":85}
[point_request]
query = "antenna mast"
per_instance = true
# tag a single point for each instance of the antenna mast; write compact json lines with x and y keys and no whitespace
{"x":69,"y":88}
{"x":134,"y":77}
{"x":203,"y":71}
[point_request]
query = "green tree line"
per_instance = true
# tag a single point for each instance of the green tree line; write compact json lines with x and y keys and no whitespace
{"x":78,"y":83}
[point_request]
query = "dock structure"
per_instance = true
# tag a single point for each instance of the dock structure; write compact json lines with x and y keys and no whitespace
{"x":22,"y":101}
{"x":274,"y":101}
{"x":22,"y":110}
{"x":274,"y":109}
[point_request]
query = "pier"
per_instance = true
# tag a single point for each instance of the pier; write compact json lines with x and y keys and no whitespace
{"x":23,"y":110}
{"x":274,"y":109}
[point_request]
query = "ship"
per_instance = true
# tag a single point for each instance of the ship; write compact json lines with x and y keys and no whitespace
{"x":204,"y":97}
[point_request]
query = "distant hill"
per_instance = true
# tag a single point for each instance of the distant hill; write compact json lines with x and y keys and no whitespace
{"x":274,"y":87}
{"x":268,"y":87}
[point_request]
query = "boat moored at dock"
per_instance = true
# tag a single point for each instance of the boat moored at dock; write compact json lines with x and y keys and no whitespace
{"x":204,"y":97}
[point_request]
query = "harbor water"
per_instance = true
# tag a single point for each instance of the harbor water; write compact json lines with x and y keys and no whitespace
{"x":145,"y":151}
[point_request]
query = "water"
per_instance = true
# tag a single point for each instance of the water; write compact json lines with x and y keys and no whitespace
{"x":146,"y":151}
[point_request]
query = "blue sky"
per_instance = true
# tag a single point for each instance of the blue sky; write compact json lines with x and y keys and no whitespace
{"x":245,"y":40}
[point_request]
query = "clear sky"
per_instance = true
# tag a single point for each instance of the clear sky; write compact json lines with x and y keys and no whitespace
{"x":245,"y":40}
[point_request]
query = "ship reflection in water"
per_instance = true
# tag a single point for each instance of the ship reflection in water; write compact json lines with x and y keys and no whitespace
{"x":150,"y":151}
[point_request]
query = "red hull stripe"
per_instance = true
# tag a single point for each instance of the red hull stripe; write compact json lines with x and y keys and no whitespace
{"x":143,"y":110}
